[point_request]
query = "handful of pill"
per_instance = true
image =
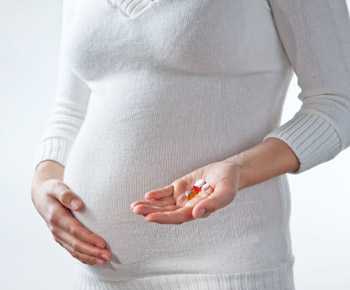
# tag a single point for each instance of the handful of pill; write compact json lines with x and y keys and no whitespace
{"x":196,"y":188}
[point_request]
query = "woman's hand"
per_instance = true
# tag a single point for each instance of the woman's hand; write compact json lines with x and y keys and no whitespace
{"x":169,"y":204}
{"x":54,"y":201}
{"x":265,"y":160}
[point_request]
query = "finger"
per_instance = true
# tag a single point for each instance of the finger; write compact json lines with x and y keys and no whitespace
{"x":84,"y":258}
{"x":144,"y":209}
{"x":160,"y":192}
{"x":219,"y":198}
{"x":62,"y":218}
{"x":169,"y":200}
{"x":66,"y":196}
{"x":177,"y":216}
{"x":82,"y":247}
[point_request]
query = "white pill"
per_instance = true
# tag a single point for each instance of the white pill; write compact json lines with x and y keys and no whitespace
{"x":199,"y":182}
{"x":206,"y":186}
{"x":188,"y":192}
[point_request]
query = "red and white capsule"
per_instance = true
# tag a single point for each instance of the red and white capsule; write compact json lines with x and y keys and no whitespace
{"x":196,"y":188}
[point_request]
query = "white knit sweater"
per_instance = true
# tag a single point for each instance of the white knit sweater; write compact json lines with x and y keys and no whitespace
{"x":150,"y":90}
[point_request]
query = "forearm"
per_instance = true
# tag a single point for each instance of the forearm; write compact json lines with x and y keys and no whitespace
{"x":265,"y":160}
{"x":45,"y":170}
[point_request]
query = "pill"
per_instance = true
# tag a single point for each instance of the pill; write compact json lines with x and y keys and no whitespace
{"x":199,"y":183}
{"x":188,"y":192}
{"x":205,"y":186}
{"x":192,"y":194}
{"x":196,"y":199}
{"x":196,"y":189}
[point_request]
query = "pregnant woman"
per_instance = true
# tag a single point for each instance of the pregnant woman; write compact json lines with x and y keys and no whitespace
{"x":154,"y":96}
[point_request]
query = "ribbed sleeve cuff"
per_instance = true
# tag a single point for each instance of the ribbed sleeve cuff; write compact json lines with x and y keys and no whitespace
{"x":311,"y":136}
{"x":54,"y":148}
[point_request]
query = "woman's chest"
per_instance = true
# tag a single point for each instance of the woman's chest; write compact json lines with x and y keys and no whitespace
{"x":205,"y":37}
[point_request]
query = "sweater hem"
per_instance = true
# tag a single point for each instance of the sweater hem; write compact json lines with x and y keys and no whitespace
{"x":279,"y":278}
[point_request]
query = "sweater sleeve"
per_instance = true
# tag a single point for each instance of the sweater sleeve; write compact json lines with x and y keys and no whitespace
{"x":70,"y":103}
{"x":316,"y":39}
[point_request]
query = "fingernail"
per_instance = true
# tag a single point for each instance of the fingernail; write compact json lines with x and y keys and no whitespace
{"x":100,"y":261}
{"x":101,"y":244}
{"x":201,"y":212}
{"x":105,"y":256}
{"x":75,"y":203}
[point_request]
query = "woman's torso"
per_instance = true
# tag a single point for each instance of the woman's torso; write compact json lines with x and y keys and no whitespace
{"x":182,"y":84}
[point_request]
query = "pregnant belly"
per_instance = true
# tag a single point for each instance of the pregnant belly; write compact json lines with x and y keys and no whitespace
{"x":116,"y":158}
{"x":109,"y":174}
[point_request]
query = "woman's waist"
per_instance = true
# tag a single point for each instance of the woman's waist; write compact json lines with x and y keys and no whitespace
{"x":255,"y":221}
{"x":145,"y":156}
{"x":109,"y":181}
{"x":225,"y":242}
{"x":273,"y":278}
{"x":169,"y":271}
{"x":121,"y":166}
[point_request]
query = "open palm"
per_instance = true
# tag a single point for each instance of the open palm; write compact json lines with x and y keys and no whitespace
{"x":169,"y":204}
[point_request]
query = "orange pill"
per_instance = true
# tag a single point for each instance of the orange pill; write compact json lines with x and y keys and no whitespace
{"x":196,"y":188}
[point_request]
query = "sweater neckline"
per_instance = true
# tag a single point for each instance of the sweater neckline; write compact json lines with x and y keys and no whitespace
{"x":132,"y":8}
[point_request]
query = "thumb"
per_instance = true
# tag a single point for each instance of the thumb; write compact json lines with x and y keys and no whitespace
{"x":219,"y":198}
{"x":67,"y":197}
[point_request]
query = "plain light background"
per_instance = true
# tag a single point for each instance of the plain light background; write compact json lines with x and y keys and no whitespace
{"x":31,"y":259}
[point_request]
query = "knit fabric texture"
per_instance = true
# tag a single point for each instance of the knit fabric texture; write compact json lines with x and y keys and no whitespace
{"x":149,"y":90}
